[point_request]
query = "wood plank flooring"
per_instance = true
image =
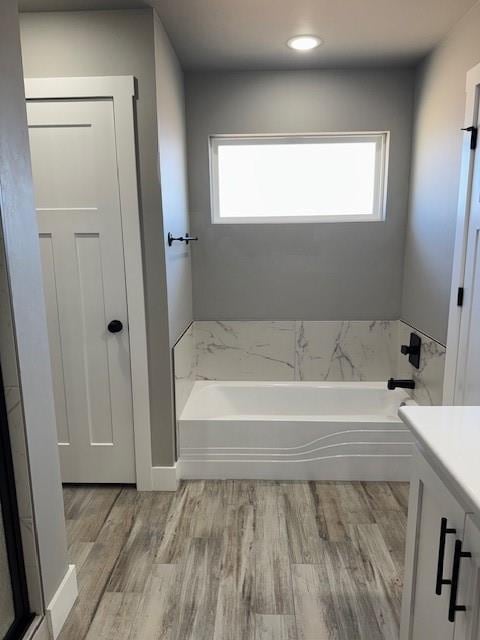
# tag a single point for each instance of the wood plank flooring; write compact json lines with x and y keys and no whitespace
{"x":237,"y":560}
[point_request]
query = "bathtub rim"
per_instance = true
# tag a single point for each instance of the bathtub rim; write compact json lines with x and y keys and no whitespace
{"x":199,"y":385}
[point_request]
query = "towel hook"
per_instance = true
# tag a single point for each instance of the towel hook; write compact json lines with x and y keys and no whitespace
{"x":187,"y":238}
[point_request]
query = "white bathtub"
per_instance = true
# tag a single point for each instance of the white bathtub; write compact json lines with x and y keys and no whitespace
{"x":294,"y":431}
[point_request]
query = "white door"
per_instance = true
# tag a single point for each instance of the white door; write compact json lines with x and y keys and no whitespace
{"x":468,"y":363}
{"x":77,"y":198}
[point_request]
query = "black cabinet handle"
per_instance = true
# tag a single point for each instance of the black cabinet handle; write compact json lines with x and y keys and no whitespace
{"x":457,"y":556}
{"x":444,"y":530}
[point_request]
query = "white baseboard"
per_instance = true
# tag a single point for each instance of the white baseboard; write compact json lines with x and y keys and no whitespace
{"x":165,"y":478}
{"x":62,"y":602}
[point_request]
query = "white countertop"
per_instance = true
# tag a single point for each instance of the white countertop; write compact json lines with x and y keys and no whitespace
{"x":449,"y":437}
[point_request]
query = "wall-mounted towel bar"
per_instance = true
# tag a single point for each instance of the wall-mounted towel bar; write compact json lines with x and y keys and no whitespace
{"x":186,"y":238}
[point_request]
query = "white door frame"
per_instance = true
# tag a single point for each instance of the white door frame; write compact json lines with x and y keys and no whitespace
{"x":463,"y":219}
{"x":121,"y":90}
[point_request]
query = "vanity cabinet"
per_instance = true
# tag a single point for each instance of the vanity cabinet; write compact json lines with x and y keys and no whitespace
{"x":467,"y":625}
{"x":441,"y":599}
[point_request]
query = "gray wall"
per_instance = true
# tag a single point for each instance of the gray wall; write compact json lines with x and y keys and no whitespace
{"x":173,"y":178}
{"x":121,"y":43}
{"x":24,"y":268}
{"x":350,"y":271}
{"x":439,"y":114}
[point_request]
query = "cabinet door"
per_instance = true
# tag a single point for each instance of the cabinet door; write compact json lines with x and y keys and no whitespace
{"x":467,"y":623}
{"x":429,"y":556}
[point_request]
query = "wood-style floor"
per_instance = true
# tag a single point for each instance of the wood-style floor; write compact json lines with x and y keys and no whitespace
{"x":237,"y":560}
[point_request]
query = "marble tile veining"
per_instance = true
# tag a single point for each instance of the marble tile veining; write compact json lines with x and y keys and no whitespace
{"x":345,"y":351}
{"x":245,"y":350}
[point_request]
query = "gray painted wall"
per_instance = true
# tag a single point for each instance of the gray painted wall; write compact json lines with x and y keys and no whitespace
{"x":439,"y":114}
{"x":313,"y":271}
{"x":24,"y":268}
{"x":173,"y":178}
{"x":123,"y":43}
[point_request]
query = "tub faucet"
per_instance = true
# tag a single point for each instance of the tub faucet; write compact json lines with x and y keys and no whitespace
{"x":401,"y":384}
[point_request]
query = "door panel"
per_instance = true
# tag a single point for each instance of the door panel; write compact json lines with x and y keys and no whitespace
{"x":54,"y":337}
{"x":77,"y":195}
{"x":63,"y":161}
{"x":95,"y":352}
{"x":468,"y":372}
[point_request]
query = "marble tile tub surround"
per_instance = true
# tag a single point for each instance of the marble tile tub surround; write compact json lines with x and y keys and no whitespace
{"x":304,"y":350}
{"x":300,"y":350}
{"x":245,"y":350}
{"x":429,"y":378}
{"x":184,"y":367}
{"x":345,"y":351}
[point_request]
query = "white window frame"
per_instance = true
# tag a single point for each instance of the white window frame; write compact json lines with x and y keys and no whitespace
{"x":381,"y":138}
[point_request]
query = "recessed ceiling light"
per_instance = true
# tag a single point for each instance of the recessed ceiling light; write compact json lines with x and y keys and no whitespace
{"x":304,"y":43}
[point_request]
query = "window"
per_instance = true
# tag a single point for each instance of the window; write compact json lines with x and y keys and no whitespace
{"x":291,"y":178}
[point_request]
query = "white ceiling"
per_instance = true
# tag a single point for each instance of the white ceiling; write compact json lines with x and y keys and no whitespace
{"x":251,"y":34}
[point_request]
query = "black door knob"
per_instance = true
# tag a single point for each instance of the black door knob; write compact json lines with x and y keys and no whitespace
{"x":115,"y":326}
